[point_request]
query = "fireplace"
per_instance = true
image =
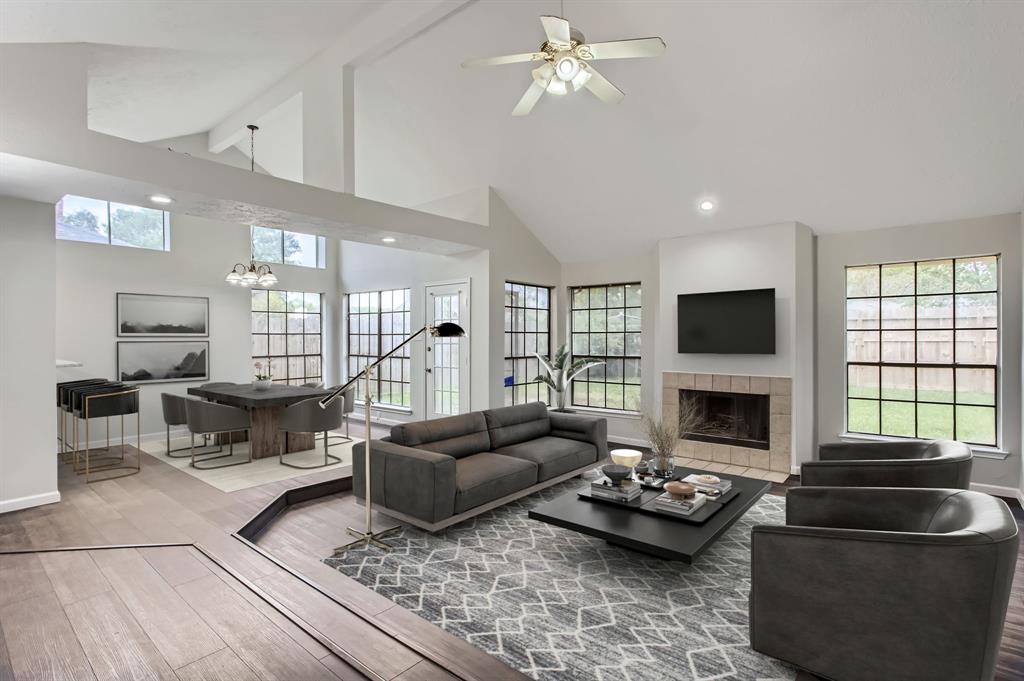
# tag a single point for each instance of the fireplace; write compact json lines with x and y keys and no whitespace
{"x":740,"y":419}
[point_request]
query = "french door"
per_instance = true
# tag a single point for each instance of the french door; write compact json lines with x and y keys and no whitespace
{"x":447,"y":360}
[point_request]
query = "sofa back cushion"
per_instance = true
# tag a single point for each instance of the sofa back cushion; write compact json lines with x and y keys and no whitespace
{"x":456,"y":436}
{"x":512,"y":425}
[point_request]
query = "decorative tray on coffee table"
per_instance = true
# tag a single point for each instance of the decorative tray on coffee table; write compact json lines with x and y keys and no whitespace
{"x":645,"y":504}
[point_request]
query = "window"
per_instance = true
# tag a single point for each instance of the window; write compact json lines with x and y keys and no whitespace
{"x":378,"y":321}
{"x":288,"y":248}
{"x":922,"y":349}
{"x":286,"y":335}
{"x":605,"y":326}
{"x":118,"y":224}
{"x":527,"y":331}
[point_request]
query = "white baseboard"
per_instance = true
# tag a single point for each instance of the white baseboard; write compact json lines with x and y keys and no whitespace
{"x":999,"y":491}
{"x":634,"y":441}
{"x":29,"y":501}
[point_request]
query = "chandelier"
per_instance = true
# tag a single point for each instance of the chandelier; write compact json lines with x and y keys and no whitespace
{"x":251,"y":275}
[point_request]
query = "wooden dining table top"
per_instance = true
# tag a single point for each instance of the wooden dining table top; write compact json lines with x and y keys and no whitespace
{"x":245,"y":395}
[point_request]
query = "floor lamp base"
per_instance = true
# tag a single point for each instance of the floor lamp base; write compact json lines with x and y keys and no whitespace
{"x":368,"y":538}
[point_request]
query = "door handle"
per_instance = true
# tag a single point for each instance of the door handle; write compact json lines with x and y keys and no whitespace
{"x":428,"y":370}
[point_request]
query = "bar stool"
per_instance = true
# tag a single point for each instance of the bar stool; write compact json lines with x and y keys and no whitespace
{"x":208,"y":418}
{"x":175,"y":414}
{"x":63,"y":410}
{"x":114,"y":399}
{"x":308,"y":417}
{"x":74,"y":403}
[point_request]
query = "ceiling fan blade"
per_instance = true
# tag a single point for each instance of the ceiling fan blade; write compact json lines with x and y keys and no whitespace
{"x":557,"y":30}
{"x":505,"y":59}
{"x":624,"y":49}
{"x":529,"y":98}
{"x":601,"y":87}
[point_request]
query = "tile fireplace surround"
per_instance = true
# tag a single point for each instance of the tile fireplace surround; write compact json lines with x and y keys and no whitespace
{"x":780,"y":435}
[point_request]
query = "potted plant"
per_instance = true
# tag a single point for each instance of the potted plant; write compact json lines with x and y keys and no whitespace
{"x":561,"y":369}
{"x":664,"y":434}
{"x":261,"y":381}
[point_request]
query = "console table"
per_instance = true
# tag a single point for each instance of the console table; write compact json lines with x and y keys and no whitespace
{"x":265,"y":407}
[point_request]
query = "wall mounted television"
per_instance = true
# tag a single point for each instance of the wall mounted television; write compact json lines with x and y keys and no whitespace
{"x":727,"y":322}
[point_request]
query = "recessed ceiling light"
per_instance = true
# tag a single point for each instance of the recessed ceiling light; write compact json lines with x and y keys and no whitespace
{"x":389,"y":239}
{"x":161,"y":199}
{"x":706,"y":205}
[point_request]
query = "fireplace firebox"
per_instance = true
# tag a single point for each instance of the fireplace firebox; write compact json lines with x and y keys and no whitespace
{"x":739,"y":419}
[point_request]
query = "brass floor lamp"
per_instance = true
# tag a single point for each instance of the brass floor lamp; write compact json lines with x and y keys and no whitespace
{"x":368,"y":536}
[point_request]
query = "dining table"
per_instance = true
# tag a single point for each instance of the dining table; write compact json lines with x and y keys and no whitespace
{"x":265,"y":406}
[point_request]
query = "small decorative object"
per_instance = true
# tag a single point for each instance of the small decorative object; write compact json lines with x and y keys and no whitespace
{"x":626,"y":457}
{"x":664,"y":434}
{"x":261,"y":381}
{"x":561,"y":369}
{"x":616,"y":473}
{"x":709,"y":479}
{"x":680,"y":490}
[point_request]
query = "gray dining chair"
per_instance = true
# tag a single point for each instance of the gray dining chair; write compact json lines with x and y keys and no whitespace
{"x":176,"y":414}
{"x":348,"y":400}
{"x":308,"y":417}
{"x":209,"y":418}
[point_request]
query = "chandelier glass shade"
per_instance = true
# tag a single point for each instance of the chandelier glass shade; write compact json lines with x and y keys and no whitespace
{"x":251,"y":275}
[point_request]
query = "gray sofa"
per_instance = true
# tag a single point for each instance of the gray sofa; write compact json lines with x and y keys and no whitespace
{"x":435,"y":473}
{"x":864,"y":584}
{"x":914,"y":463}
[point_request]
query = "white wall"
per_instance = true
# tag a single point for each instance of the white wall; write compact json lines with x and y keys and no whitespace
{"x":28,"y":461}
{"x":980,"y":236}
{"x":88,"y":277}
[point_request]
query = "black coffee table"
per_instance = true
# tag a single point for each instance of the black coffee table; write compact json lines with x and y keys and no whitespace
{"x":655,"y":535}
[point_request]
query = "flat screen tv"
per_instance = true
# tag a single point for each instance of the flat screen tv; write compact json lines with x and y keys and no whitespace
{"x":728,"y":322}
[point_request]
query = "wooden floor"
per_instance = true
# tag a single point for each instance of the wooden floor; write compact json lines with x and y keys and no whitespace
{"x":171,"y":613}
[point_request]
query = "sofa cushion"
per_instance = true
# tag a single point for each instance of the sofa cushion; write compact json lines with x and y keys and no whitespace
{"x":512,"y":425}
{"x":487,"y":476}
{"x":553,"y":455}
{"x":455,"y":436}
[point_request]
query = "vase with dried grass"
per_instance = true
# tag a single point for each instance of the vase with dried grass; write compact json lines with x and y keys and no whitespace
{"x":664,"y":434}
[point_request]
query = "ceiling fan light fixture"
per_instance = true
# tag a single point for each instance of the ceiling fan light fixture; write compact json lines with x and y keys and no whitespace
{"x":580,"y":81}
{"x":567,"y":67}
{"x":557,"y":87}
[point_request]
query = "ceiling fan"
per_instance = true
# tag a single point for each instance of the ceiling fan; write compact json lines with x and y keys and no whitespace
{"x":567,"y":55}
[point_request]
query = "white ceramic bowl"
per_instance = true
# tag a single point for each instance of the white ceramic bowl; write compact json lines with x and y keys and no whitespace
{"x":626,"y":457}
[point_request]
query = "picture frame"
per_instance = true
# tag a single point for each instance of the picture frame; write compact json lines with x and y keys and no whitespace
{"x":169,"y":361}
{"x":152,"y":315}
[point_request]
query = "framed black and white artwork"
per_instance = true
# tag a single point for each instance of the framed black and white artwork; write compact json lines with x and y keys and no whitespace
{"x":149,"y":315}
{"x":163,"y":361}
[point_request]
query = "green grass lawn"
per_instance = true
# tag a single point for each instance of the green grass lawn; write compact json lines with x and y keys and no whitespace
{"x":975,"y":424}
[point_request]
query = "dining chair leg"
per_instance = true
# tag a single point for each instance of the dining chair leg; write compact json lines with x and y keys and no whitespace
{"x":172,"y":453}
{"x":328,"y":458}
{"x":231,"y":453}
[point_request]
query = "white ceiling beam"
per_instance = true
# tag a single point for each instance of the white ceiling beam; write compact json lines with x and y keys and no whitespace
{"x":390,"y":24}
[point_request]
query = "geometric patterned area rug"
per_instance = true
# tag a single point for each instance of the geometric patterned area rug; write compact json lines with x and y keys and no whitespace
{"x":556,"y":604}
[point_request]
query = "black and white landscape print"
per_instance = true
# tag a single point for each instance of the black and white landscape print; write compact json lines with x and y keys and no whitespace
{"x":142,"y":314}
{"x":155,"y":361}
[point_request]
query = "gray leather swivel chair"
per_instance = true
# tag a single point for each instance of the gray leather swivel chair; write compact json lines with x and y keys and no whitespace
{"x":307,"y":417}
{"x":865,"y":584}
{"x":914,"y":463}
{"x":175,"y":414}
{"x":208,"y":418}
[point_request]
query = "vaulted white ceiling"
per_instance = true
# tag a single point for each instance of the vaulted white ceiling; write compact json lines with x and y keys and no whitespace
{"x":167,"y":69}
{"x":845,"y":115}
{"x":842,"y":115}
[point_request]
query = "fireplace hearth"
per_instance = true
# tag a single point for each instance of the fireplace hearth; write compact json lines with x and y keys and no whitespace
{"x":739,"y":419}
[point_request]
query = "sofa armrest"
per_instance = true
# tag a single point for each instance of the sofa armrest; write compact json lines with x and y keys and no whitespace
{"x":416,"y":482}
{"x":592,"y":429}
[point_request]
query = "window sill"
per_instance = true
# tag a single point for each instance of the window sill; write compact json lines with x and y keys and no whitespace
{"x":385,"y":407}
{"x":633,"y":415}
{"x":980,"y":451}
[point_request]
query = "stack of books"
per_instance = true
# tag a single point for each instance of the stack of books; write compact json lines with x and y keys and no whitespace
{"x":716,"y":489}
{"x":627,"y":490}
{"x":666,"y":503}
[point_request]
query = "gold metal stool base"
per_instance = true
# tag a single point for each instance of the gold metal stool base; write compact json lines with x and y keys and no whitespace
{"x":368,"y":538}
